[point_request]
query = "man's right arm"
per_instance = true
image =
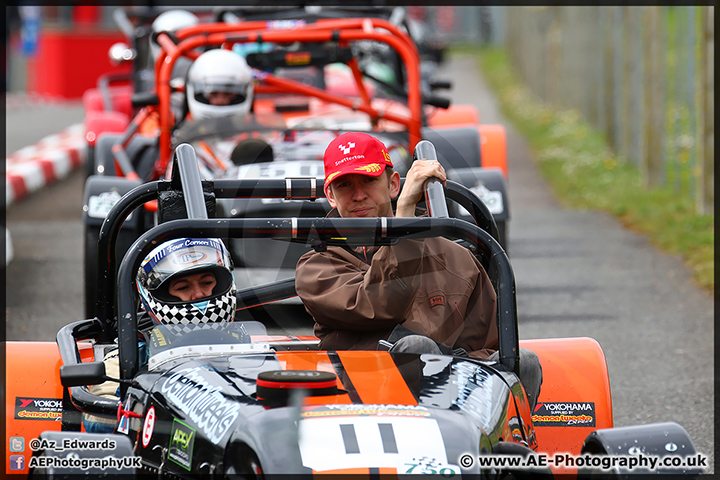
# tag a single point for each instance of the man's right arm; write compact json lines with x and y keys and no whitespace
{"x":341,"y":294}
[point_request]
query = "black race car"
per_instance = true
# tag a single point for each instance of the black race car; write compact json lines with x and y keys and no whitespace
{"x":241,"y":403}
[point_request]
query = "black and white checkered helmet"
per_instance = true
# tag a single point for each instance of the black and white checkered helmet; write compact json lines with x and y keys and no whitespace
{"x":184,"y":256}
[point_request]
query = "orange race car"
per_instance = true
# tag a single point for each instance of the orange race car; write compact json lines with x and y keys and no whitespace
{"x":313,"y":79}
{"x":252,"y":400}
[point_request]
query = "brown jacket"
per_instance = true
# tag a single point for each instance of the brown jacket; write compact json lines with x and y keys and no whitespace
{"x":433,"y":287}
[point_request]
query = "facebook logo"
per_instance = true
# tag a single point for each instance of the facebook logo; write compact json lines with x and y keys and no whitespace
{"x":17,"y":462}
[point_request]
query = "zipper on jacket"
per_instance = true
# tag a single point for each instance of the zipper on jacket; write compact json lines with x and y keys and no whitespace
{"x":402,"y":284}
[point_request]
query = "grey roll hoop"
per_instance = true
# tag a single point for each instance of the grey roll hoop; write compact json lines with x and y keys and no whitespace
{"x":434,"y":192}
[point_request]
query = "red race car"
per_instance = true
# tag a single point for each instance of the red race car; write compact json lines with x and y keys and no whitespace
{"x":312,"y":82}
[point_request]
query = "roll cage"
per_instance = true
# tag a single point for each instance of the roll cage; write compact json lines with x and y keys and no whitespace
{"x":191,"y":41}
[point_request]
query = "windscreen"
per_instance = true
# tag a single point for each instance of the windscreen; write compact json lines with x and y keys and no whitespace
{"x":162,"y":338}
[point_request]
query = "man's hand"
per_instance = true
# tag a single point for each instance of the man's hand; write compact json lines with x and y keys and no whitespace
{"x":412,"y":191}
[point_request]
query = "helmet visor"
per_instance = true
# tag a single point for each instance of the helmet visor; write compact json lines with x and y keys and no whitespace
{"x":232,"y":93}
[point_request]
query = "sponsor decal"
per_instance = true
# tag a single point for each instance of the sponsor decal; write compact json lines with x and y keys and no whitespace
{"x":429,"y":466}
{"x":124,"y":425}
{"x":564,"y":414}
{"x":365,"y":410}
{"x":189,"y":242}
{"x":190,"y":258}
{"x":204,"y":403}
{"x":182,"y":440}
{"x":284,"y":24}
{"x":124,"y":414}
{"x":27,"y":408}
{"x":148,"y":427}
{"x":437,"y":300}
{"x":158,"y":339}
{"x":17,"y":444}
{"x":298,"y":58}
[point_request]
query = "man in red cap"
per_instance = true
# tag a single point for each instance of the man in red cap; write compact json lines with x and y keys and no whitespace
{"x":418,"y":296}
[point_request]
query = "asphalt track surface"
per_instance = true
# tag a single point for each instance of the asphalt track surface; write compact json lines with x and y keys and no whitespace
{"x":578,"y":274}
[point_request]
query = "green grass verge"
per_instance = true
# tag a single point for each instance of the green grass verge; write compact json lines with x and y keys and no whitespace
{"x":584,"y":173}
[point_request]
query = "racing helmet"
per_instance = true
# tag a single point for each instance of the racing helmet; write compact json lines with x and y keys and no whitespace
{"x":219,"y":70}
{"x":184,"y":256}
{"x":170,"y":21}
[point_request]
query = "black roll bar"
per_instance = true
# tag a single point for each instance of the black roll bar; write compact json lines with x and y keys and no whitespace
{"x":310,"y":230}
{"x":287,"y":188}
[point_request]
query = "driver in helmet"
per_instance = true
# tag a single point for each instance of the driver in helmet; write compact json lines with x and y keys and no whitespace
{"x":183,"y":283}
{"x":170,"y":21}
{"x":187,"y":282}
{"x":220,"y":83}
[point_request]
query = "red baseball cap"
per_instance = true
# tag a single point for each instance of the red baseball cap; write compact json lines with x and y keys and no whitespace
{"x":355,"y":152}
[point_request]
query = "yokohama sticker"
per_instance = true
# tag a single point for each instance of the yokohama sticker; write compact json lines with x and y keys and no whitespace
{"x":564,"y":414}
{"x":148,"y":427}
{"x":27,"y":408}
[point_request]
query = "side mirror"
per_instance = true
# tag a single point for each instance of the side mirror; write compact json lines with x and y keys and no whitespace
{"x":82,"y":374}
{"x":120,"y":52}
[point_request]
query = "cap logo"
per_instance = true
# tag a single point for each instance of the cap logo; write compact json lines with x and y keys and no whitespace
{"x":347,"y":149}
{"x":372,"y":167}
{"x":387,"y":157}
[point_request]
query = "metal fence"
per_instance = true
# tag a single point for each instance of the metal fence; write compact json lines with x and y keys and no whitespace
{"x":643,"y":75}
